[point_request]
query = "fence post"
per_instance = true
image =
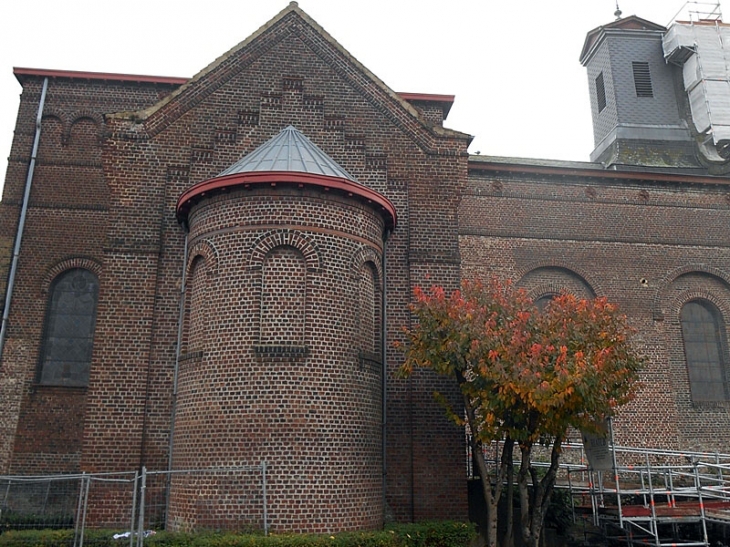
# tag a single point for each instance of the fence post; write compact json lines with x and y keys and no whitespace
{"x":77,"y":520}
{"x":134,"y":508}
{"x":86,"y":505}
{"x":7,"y":493}
{"x":140,"y":526}
{"x":263,"y":488}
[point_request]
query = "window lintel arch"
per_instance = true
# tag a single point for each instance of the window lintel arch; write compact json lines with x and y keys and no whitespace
{"x":284,"y":238}
{"x":667,"y":301}
{"x":205,"y":249}
{"x":58,"y":268}
{"x":362,"y":256}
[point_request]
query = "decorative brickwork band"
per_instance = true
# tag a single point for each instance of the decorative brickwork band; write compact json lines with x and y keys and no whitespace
{"x":283,"y":351}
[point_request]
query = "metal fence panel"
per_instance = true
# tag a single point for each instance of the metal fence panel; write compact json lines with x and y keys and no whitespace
{"x":134,"y":503}
{"x":38,"y":502}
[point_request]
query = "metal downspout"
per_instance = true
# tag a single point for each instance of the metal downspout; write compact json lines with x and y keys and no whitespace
{"x":383,"y":358}
{"x":21,"y":222}
{"x":180,"y":320}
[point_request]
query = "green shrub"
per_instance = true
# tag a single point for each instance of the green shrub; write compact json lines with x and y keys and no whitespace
{"x":10,"y":520}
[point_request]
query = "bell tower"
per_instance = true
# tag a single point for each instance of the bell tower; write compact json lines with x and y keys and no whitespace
{"x":635,"y":99}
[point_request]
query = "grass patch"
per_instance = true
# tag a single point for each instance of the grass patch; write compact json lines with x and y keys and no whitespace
{"x":426,"y":534}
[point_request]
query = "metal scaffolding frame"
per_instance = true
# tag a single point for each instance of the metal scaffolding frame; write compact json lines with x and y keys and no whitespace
{"x":649,"y":496}
{"x":651,"y":492}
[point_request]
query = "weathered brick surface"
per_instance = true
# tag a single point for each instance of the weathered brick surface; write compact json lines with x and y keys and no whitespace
{"x":66,"y":222}
{"x":278,"y":367}
{"x":281,"y":346}
{"x":649,"y":246}
{"x":281,"y":333}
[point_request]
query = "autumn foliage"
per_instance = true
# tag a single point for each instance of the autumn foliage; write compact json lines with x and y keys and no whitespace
{"x":526,"y":376}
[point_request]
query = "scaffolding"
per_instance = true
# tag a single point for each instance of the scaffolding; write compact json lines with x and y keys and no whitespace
{"x":650,"y":496}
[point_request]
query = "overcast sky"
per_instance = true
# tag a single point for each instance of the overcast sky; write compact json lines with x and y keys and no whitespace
{"x":513,"y":65}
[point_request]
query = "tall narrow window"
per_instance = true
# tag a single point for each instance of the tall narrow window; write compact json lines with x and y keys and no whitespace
{"x":69,"y":329}
{"x":600,"y":92}
{"x":642,"y":79}
{"x":702,"y":327}
{"x":369,"y":312}
{"x":283,"y":297}
{"x":196,"y":300}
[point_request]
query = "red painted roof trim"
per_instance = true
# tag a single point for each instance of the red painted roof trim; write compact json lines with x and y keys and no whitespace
{"x":444,"y":101}
{"x":197,"y":192}
{"x":427,"y":97}
{"x":108,"y":76}
{"x":598,"y":173}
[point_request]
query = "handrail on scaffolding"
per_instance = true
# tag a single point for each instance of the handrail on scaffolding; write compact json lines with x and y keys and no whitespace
{"x":698,"y":11}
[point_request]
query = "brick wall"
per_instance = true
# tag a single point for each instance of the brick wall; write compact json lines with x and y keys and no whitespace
{"x":290,"y":74}
{"x":649,"y":246}
{"x":281,"y":346}
{"x":66,"y":222}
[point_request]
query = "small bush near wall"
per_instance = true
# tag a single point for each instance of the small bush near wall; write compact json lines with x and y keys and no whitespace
{"x":427,"y":534}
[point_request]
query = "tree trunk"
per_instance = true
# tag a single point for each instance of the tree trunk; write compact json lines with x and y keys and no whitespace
{"x":525,"y":494}
{"x":491,"y":494}
{"x":508,"y":454}
{"x":535,"y":498}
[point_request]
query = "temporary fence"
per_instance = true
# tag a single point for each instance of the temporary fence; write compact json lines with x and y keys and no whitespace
{"x":230,"y":498}
{"x":137,"y":503}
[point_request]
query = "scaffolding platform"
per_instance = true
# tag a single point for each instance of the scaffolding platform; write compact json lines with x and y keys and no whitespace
{"x":649,"y":493}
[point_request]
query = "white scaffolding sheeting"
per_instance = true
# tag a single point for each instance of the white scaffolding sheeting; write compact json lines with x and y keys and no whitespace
{"x":703,"y":50}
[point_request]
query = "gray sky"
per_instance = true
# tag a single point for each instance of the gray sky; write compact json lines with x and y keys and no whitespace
{"x":513,"y":66}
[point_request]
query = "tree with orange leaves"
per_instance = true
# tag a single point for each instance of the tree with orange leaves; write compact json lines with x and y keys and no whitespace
{"x":526,"y":376}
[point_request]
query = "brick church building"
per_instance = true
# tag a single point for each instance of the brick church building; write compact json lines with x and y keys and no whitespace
{"x":212,"y":271}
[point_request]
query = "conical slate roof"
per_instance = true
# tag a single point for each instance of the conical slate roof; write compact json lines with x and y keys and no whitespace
{"x":289,"y":151}
{"x":289,"y":158}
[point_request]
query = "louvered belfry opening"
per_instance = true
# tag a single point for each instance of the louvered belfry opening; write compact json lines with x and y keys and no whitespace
{"x":642,"y":79}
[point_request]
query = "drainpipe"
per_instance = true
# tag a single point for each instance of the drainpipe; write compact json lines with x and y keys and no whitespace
{"x":21,"y":222}
{"x":180,"y":320}
{"x":383,"y":358}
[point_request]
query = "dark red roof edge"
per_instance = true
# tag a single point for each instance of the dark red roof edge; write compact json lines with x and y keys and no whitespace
{"x":598,"y":173}
{"x":43,"y":72}
{"x":444,"y":101}
{"x":343,"y":185}
{"x":428,"y":97}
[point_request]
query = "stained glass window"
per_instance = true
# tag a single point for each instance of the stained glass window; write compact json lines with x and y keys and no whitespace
{"x":69,"y":329}
{"x":704,"y":350}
